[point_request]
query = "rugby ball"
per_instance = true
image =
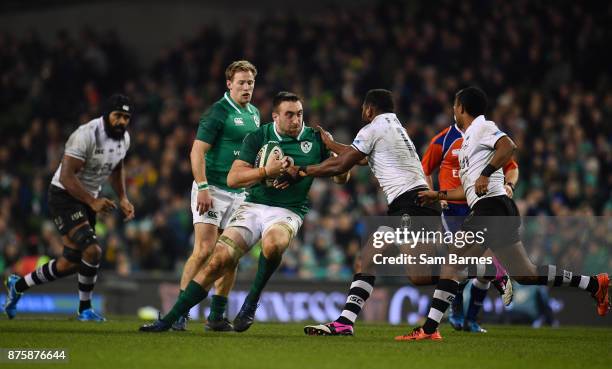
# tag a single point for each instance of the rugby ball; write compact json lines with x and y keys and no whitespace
{"x":265,"y":154}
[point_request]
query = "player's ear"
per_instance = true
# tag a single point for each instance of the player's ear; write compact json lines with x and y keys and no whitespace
{"x":228,"y":84}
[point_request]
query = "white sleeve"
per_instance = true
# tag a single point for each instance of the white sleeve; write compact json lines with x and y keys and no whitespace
{"x":127,"y":141}
{"x":490,"y":135}
{"x":79,"y":144}
{"x":365,"y":140}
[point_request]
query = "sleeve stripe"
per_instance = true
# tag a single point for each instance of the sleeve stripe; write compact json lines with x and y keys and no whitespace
{"x":356,"y":148}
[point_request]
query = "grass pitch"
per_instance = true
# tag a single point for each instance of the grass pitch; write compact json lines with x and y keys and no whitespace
{"x":117,"y":344}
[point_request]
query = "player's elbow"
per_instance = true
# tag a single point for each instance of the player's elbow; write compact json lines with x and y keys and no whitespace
{"x":232,"y":180}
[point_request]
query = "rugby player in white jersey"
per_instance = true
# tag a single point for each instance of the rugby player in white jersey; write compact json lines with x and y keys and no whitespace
{"x":484,"y":151}
{"x":93,"y":154}
{"x":394,"y":161}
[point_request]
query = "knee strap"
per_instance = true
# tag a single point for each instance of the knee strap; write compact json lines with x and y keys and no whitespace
{"x":84,"y":236}
{"x":234,"y":249}
{"x":72,"y":255}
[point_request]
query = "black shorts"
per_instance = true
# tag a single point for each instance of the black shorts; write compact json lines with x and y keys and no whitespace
{"x":427,"y":216}
{"x":67,"y":212}
{"x":499,"y":216}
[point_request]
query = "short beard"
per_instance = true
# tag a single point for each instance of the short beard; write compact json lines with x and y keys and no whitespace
{"x":116,"y":133}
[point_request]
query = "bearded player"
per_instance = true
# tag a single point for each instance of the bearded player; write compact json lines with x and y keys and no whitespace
{"x":93,"y":154}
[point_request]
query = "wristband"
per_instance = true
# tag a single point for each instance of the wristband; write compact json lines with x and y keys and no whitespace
{"x":262,"y":172}
{"x":488,"y":170}
{"x":202,"y":186}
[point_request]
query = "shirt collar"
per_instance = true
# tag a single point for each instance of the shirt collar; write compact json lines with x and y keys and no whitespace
{"x":477,"y":120}
{"x":229,"y":99}
{"x":280,"y":137}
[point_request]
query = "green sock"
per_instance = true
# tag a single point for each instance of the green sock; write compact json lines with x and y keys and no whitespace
{"x":193,"y":295}
{"x":264,"y":271}
{"x":217,"y":307}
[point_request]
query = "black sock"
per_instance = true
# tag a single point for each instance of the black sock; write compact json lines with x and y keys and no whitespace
{"x":360,"y":291}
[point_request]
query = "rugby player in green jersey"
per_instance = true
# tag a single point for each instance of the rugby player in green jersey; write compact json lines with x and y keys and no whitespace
{"x":272,"y":214}
{"x":220,"y":134}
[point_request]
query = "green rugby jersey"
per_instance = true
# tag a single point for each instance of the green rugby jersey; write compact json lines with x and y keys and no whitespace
{"x":305,"y":149}
{"x":224,"y":126}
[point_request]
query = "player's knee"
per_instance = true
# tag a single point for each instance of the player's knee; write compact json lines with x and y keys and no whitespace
{"x":202,"y":252}
{"x":92,"y":254}
{"x":66,"y":266}
{"x":84,"y":237}
{"x":275,"y":242}
{"x":71,"y":257}
{"x":221,"y":260}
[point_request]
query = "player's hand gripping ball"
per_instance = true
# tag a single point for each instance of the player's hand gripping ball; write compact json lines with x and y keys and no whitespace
{"x":271,"y":157}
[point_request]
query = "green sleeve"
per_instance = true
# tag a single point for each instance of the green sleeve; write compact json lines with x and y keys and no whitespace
{"x":250,"y":146}
{"x":211,"y":125}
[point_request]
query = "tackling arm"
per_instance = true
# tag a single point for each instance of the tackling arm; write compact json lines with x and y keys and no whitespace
{"x":335,"y":165}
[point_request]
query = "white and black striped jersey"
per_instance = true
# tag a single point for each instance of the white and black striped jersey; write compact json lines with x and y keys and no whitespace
{"x":100,"y":153}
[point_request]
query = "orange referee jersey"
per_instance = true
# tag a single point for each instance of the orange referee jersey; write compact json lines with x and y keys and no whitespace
{"x":443,"y":153}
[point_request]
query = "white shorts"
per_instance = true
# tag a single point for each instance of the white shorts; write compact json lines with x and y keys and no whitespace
{"x":258,"y":218}
{"x":224,"y":203}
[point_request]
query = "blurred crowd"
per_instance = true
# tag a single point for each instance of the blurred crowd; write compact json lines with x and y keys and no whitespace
{"x":539,"y":62}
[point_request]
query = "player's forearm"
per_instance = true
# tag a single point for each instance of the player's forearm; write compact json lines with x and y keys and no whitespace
{"x":117,"y":181}
{"x":512,"y":176}
{"x":429,"y":181}
{"x":244,"y":177}
{"x":329,"y":168}
{"x":74,"y":187}
{"x":198,"y":166}
{"x":456,"y":194}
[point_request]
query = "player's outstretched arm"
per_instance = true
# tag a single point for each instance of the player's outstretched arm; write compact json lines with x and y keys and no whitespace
{"x":335,"y":165}
{"x":336,"y":147}
{"x":117,"y":181}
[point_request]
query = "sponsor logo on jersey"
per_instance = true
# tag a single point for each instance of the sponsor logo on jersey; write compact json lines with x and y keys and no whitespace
{"x":99,"y":151}
{"x":306,"y":146}
{"x":213,"y":214}
{"x":236,"y":152}
{"x":239,"y":121}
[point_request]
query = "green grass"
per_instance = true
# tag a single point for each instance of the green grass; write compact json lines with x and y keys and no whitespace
{"x":117,"y":344}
